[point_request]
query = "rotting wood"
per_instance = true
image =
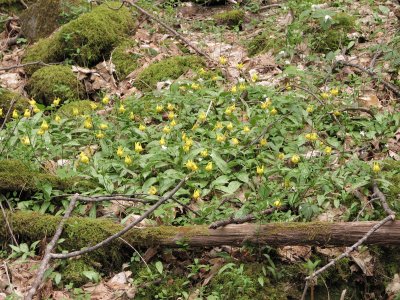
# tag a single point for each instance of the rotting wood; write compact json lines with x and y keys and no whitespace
{"x":273,"y":234}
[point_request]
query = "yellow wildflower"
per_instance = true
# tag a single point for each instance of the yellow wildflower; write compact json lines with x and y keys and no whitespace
{"x":171,"y":115}
{"x":229,"y":126}
{"x":202,"y":116}
{"x":131,"y":116}
{"x":173,"y":123}
{"x":220,"y":138}
{"x":83,"y":158}
{"x":138,"y":147}
{"x":281,"y":156}
{"x":162,"y":142}
{"x":88,"y":123}
{"x":191,"y":165}
{"x":152,"y":190}
{"x":204,"y":153}
{"x":166,"y":129}
{"x":142,"y":127}
{"x":57,"y":119}
{"x":376,"y":168}
{"x":240,"y":66}
{"x":100,"y":135}
{"x":234,"y":141}
{"x":121,"y":108}
{"x":25,"y":140}
{"x":159,"y":108}
{"x":120,"y":151}
{"x":75,"y":111}
{"x":233,"y":89}
{"x":93,"y":106}
{"x":223,"y":60}
{"x":36,"y":109}
{"x":334,"y":92}
{"x":246,"y":129}
{"x":15,"y":114}
{"x":196,"y":194}
{"x":254,"y":77}
{"x":242,"y":87}
{"x":56,"y":102}
{"x":277,"y":203}
{"x":230,"y":109}
{"x":209,"y":166}
{"x":27,"y":113}
{"x":40,"y":131}
{"x":328,"y":150}
{"x":32,"y":102}
{"x":260,"y":170}
{"x":218,"y":125}
{"x":310,"y":108}
{"x":336,"y":113}
{"x":184,"y":137}
{"x":273,"y":111}
{"x":103,"y":126}
{"x":324,"y":95}
{"x":202,"y":71}
{"x":214,"y":78}
{"x":128,"y":160}
{"x":44,"y":126}
{"x":263,"y":142}
{"x":266,"y":104}
{"x":295,"y":159}
{"x":1,"y":112}
{"x":105,"y":100}
{"x":170,"y":107}
{"x":195,"y":86}
{"x":311,"y":136}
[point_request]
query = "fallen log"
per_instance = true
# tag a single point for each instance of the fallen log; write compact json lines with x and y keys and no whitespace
{"x":82,"y":232}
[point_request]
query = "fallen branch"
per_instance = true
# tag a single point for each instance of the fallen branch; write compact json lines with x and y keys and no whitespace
{"x":373,"y":74}
{"x":366,"y":110}
{"x":382,"y":199}
{"x":41,"y":63}
{"x":245,"y":219}
{"x":49,"y":248}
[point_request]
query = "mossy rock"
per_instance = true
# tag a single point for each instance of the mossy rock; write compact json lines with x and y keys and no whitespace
{"x":52,"y":82}
{"x":230,"y":18}
{"x":170,"y":68}
{"x":45,"y":16}
{"x":264,"y":42}
{"x":6,"y":97}
{"x":83,"y":107}
{"x":17,"y":176}
{"x":124,"y":59}
{"x":85,"y":40}
{"x":335,"y":37}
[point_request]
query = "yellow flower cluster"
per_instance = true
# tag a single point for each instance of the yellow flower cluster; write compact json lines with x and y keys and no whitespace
{"x":191,"y":166}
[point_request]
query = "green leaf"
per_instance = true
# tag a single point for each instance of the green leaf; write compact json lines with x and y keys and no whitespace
{"x":221,"y":164}
{"x":231,"y":188}
{"x":261,"y":280}
{"x":244,"y":177}
{"x":159,"y":267}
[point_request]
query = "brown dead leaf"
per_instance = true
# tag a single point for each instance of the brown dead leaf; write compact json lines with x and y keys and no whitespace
{"x":330,"y":252}
{"x":369,"y":99}
{"x":294,"y":253}
{"x":393,"y":288}
{"x":364,"y":260}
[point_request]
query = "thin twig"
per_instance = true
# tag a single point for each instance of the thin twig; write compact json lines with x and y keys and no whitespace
{"x":266,"y":7}
{"x":186,"y":206}
{"x":363,"y":208}
{"x":309,"y":92}
{"x":374,"y":58}
{"x":174,"y":32}
{"x":111,"y":198}
{"x":7,"y":223}
{"x":247,"y":218}
{"x":352,"y":248}
{"x":382,"y":198}
{"x":366,"y":110}
{"x":8,"y":113}
{"x":373,"y":74}
{"x":41,"y":63}
{"x":49,"y":248}
{"x":126,"y":229}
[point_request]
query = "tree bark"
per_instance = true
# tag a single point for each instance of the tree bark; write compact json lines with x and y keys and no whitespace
{"x":34,"y":226}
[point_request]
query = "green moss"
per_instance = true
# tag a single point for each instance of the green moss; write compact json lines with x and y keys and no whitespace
{"x":170,"y":68}
{"x":6,"y":97}
{"x":85,"y":40}
{"x":230,"y":18}
{"x":45,"y":16}
{"x":73,"y":272}
{"x":83,"y":107}
{"x":335,"y":37}
{"x":52,"y":82}
{"x":124,"y":59}
{"x":16,"y":176}
{"x":264,"y":42}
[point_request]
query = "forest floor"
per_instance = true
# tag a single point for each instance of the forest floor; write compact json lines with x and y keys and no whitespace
{"x":173,"y":117}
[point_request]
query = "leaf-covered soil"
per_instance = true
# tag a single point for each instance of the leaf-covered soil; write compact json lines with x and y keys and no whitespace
{"x":283,"y":111}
